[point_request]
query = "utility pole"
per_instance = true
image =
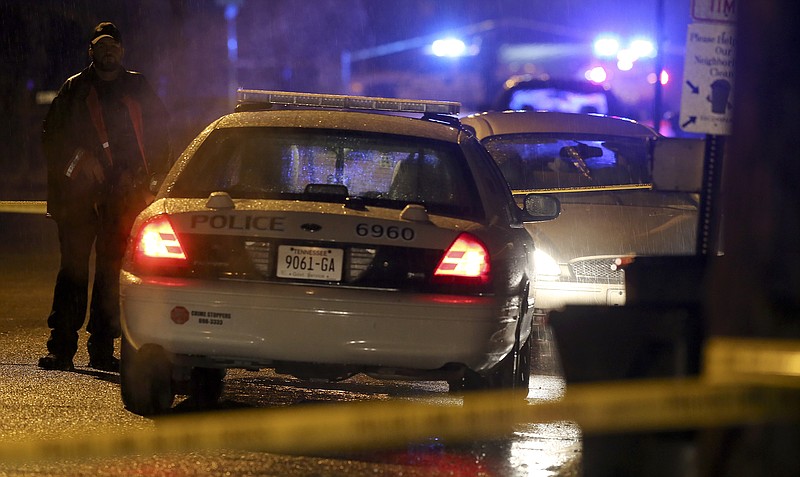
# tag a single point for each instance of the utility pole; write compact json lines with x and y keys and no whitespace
{"x":659,"y":65}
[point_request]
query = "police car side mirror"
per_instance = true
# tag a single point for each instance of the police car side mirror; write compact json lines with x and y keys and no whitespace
{"x":540,"y":208}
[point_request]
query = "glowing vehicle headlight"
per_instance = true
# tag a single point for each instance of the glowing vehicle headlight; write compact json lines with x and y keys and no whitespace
{"x":546,"y":267}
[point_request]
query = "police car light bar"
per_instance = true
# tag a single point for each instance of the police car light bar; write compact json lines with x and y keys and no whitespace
{"x":339,"y":101}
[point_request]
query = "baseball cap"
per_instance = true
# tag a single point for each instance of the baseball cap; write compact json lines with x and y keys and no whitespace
{"x":103,"y":30}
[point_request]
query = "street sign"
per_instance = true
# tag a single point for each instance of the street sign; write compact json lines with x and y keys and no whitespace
{"x":708,"y":74}
{"x":714,"y":11}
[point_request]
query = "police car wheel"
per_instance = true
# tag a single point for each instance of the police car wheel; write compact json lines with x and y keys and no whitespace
{"x":206,"y":385}
{"x":145,"y":380}
{"x":523,"y":371}
{"x":512,"y":372}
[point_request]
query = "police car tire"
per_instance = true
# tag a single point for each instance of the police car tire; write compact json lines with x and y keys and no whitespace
{"x":512,"y":372}
{"x":523,"y":371}
{"x":145,"y":380}
{"x":206,"y":386}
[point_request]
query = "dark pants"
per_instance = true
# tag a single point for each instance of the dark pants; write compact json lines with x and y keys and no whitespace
{"x":105,"y":226}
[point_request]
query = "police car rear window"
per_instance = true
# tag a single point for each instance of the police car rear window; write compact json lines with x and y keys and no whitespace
{"x":312,"y":164}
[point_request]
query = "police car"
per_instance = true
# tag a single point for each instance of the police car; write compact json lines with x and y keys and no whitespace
{"x":323,"y":236}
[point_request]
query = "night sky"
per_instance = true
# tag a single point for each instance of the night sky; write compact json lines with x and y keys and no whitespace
{"x":182,"y":47}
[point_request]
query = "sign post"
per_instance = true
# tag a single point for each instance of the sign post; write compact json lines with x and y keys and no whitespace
{"x":707,"y":102}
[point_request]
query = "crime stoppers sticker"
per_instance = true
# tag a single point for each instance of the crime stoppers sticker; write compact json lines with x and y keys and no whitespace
{"x":179,"y":315}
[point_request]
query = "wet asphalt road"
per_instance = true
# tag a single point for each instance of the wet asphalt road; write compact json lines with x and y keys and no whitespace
{"x":44,"y":404}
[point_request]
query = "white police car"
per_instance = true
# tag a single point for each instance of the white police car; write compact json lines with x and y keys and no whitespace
{"x":326,"y":240}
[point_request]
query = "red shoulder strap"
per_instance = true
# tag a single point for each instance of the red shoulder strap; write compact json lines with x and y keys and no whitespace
{"x":135,"y":113}
{"x":96,"y":113}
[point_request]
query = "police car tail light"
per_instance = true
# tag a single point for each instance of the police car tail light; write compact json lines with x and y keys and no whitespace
{"x":467,"y":259}
{"x":158,"y":240}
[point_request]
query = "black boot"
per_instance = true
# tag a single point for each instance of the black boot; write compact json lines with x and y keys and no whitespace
{"x":56,"y":363}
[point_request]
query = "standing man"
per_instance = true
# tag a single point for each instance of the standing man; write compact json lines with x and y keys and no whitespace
{"x":106,"y":142}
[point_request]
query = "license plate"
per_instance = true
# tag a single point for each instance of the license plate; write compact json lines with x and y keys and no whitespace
{"x":310,"y":263}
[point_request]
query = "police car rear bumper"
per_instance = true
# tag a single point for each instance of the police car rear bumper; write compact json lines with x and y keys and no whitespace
{"x":266,"y":323}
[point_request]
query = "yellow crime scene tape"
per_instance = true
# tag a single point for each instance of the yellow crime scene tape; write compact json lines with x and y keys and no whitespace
{"x":23,"y":206}
{"x":629,"y":406}
{"x":754,"y":361}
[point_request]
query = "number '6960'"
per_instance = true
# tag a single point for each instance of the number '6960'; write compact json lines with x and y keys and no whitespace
{"x":392,"y":232}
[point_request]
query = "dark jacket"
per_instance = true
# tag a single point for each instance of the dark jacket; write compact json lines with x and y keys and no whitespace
{"x":75,"y":121}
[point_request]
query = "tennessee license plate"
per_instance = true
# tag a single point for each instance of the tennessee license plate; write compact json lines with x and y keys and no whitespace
{"x":310,"y":263}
